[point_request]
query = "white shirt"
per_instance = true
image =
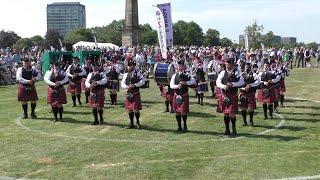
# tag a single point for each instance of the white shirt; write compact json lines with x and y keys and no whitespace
{"x":175,"y":86}
{"x":49,"y":74}
{"x":234,"y":84}
{"x":83,"y":72}
{"x":277,"y":79}
{"x":22,"y":80}
{"x":139,"y":84}
{"x":101,"y":82}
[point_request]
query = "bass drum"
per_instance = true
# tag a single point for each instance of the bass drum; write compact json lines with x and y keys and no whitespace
{"x":163,"y":73}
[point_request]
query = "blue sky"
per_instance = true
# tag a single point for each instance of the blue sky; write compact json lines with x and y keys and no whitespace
{"x":284,"y":17}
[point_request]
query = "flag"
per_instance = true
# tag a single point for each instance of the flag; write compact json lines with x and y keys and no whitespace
{"x":166,"y":11}
{"x":60,"y":42}
{"x":246,"y":39}
{"x":95,"y":41}
{"x":160,"y":26}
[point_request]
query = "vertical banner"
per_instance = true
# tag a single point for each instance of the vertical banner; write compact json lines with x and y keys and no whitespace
{"x":246,"y":39}
{"x":160,"y":26}
{"x":166,"y":11}
{"x":262,"y":46}
{"x":95,"y":41}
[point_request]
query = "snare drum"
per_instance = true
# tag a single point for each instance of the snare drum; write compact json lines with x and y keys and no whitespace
{"x":212,"y":77}
{"x":113,"y":85}
{"x":202,"y":87}
{"x":163,"y":73}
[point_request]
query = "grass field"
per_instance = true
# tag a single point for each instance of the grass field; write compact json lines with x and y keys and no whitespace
{"x":287,"y":146}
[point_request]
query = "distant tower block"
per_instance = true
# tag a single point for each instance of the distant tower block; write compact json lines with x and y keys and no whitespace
{"x":131,"y":31}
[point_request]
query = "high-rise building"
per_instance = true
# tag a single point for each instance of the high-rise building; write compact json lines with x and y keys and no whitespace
{"x":65,"y":17}
{"x":288,"y":40}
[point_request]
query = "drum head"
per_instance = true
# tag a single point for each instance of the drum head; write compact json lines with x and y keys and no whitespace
{"x":171,"y":72}
{"x":154,"y":72}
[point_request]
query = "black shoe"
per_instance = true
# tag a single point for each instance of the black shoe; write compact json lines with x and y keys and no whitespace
{"x":55,"y":120}
{"x":25,"y":116}
{"x":167,"y":110}
{"x":131,"y":126}
{"x":251,"y":124}
{"x":138,"y":126}
{"x":234,"y":133}
{"x":74,"y":105}
{"x":33,"y":116}
{"x":185,"y":129}
{"x":226,"y":132}
{"x":95,"y":123}
{"x":245,"y":124}
{"x":80,"y":103}
{"x":179,"y":129}
{"x":101,"y":122}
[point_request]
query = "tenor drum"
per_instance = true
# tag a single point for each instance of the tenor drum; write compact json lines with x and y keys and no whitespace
{"x":163,"y":73}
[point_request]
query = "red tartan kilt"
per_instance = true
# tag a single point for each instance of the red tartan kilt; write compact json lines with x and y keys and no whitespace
{"x":60,"y":99}
{"x":282,"y":86}
{"x":99,"y":103}
{"x":184,"y":107}
{"x":232,"y":108}
{"x":277,"y":92}
{"x":167,"y":95}
{"x":251,"y":101}
{"x":218,"y":92}
{"x":83,"y":85}
{"x":74,"y":88}
{"x":135,"y":104}
{"x":27,"y":96}
{"x":272,"y":96}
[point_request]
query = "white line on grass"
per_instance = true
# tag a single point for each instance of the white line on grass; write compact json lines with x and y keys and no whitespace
{"x":229,"y":156}
{"x":300,"y":178}
{"x":19,"y":123}
{"x":295,"y":80}
{"x":301,"y":99}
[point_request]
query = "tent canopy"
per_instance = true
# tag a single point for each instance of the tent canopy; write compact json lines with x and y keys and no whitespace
{"x":91,"y":45}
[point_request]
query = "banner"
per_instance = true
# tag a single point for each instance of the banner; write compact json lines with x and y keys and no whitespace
{"x":166,"y":11}
{"x":95,"y":41}
{"x":246,"y":39}
{"x":262,"y":46}
{"x":160,"y":26}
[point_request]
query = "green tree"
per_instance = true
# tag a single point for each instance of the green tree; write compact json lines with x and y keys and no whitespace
{"x":52,"y":39}
{"x":226,"y":42}
{"x":268,"y":39}
{"x":254,"y":34}
{"x":38,"y":41}
{"x":187,"y":33}
{"x":8,"y":38}
{"x":23,"y":43}
{"x":212,"y":38}
{"x":178,"y":32}
{"x":148,"y":35}
{"x":77,"y":35}
{"x":112,"y":33}
{"x":313,"y":45}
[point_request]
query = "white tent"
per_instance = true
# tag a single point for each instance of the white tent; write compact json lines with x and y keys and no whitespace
{"x":92,"y":45}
